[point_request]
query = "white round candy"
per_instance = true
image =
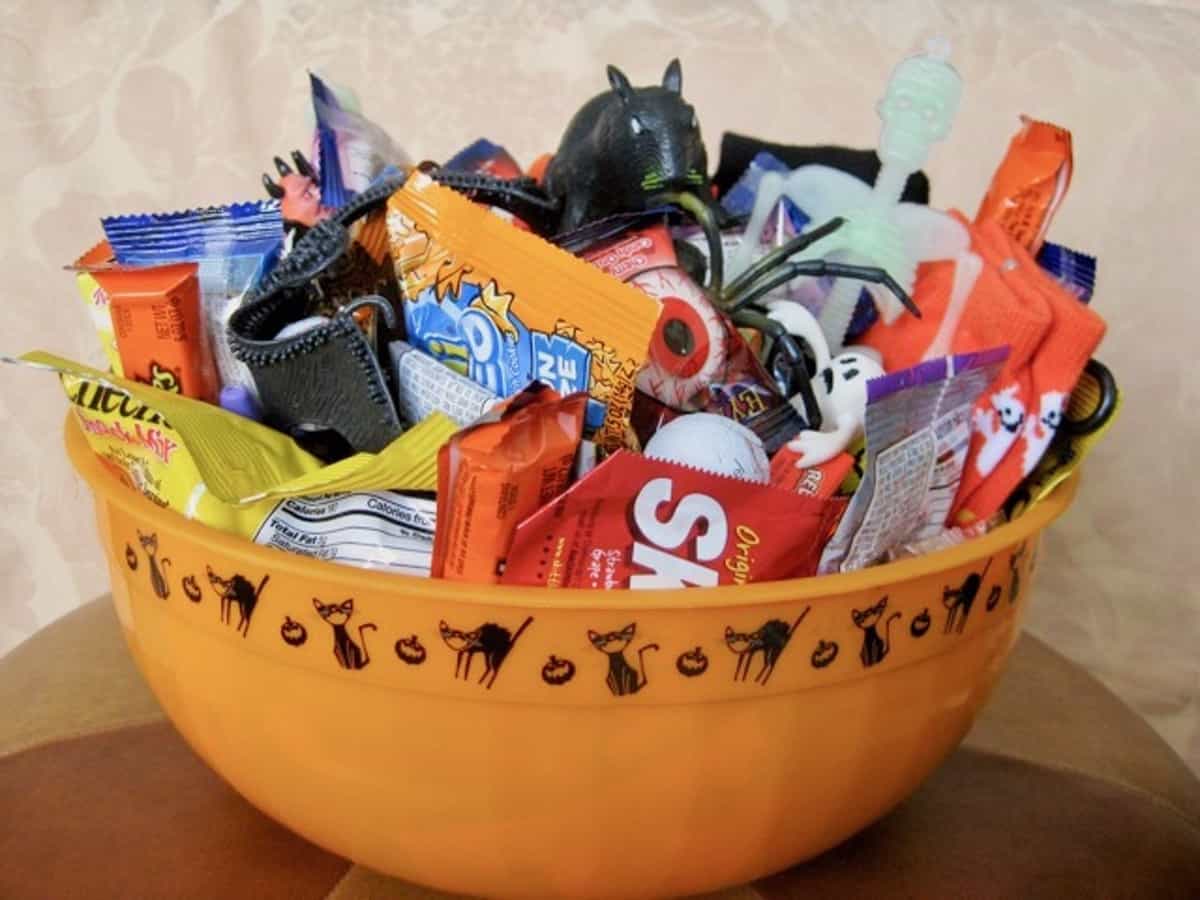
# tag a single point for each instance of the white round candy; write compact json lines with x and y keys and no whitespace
{"x":714,"y":444}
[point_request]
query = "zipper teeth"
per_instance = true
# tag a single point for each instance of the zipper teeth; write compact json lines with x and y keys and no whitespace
{"x":368,"y":199}
{"x":522,"y":189}
{"x":317,"y":250}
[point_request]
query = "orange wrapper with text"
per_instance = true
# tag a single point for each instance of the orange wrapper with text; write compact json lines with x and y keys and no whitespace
{"x":496,"y":473}
{"x":1030,"y":183}
{"x":159,"y":328}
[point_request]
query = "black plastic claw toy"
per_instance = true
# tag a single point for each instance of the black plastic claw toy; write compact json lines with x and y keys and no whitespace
{"x":297,"y":192}
{"x":328,"y":378}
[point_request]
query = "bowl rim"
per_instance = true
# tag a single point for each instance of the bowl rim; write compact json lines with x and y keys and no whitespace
{"x":105,"y":486}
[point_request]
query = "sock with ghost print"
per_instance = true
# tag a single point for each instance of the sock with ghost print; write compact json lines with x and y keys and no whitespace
{"x":993,"y":315}
{"x":998,"y":420}
{"x":1073,"y":334}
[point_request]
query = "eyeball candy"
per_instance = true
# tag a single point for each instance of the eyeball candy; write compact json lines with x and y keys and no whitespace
{"x":712,"y":443}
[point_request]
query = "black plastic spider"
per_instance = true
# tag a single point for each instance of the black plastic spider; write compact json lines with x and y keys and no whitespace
{"x":783,"y":355}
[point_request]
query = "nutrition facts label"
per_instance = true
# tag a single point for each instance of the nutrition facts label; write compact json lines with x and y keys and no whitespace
{"x":381,"y":530}
{"x":902,"y":476}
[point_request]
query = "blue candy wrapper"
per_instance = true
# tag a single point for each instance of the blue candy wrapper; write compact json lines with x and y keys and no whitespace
{"x":485,"y":157}
{"x":1073,"y":270}
{"x":349,"y":150}
{"x":233,"y":246}
{"x":155,"y":239}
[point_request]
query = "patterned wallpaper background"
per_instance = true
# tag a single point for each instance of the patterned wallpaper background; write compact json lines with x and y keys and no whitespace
{"x":128,"y":106}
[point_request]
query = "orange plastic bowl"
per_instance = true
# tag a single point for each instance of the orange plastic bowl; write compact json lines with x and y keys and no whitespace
{"x":662,"y":762}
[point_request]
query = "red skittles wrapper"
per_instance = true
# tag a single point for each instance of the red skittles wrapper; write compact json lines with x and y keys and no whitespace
{"x":636,"y":522}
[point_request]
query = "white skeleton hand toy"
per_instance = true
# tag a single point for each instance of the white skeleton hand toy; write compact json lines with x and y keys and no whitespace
{"x":840,"y":387}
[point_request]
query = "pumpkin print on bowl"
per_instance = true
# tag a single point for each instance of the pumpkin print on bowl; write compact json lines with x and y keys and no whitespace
{"x":410,"y":650}
{"x":293,"y":633}
{"x":191,"y":589}
{"x":919,"y":626}
{"x":692,"y":663}
{"x":824,"y":653}
{"x":557,"y":672}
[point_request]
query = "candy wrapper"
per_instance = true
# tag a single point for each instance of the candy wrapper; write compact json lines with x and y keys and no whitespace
{"x":220,"y":468}
{"x":96,"y":300}
{"x":1030,"y":183}
{"x":1015,"y":423}
{"x":486,"y":158}
{"x":232,"y":247}
{"x":918,"y":428}
{"x":159,"y":328}
{"x":200,"y":460}
{"x":505,"y":308}
{"x":495,"y":473}
{"x":350,"y":150}
{"x":1074,"y":270}
{"x":424,"y":386}
{"x":384,"y":530}
{"x":824,"y":480}
{"x":636,"y":522}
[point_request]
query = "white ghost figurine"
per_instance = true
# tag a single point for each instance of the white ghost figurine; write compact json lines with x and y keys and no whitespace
{"x":840,"y":387}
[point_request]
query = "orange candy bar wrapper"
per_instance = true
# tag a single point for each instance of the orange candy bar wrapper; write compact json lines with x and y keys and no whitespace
{"x":505,"y":308}
{"x":98,"y":257}
{"x":636,"y":522}
{"x":497,"y":472}
{"x":1030,"y":183}
{"x":159,"y":328}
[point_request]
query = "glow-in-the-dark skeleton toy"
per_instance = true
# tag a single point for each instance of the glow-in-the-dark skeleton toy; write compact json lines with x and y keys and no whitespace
{"x":917,"y":110}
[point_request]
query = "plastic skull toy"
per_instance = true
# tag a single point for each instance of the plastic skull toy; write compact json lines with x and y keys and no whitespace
{"x":919,"y":107}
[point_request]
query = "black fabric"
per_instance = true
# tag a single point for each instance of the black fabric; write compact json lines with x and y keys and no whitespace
{"x":737,"y":150}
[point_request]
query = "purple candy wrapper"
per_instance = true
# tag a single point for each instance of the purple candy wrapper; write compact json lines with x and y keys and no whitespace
{"x":918,"y":429}
{"x":1073,"y":270}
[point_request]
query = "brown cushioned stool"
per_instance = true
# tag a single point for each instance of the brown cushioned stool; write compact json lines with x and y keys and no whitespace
{"x":1059,"y":791}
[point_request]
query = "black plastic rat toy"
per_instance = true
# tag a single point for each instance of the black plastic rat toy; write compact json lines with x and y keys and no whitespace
{"x":627,"y":148}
